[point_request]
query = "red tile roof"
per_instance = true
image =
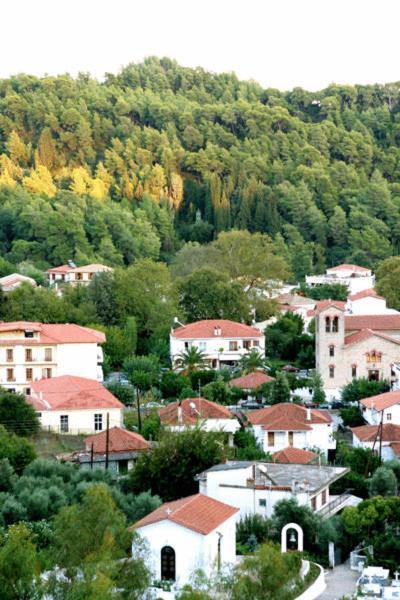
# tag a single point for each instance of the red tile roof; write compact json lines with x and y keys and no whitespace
{"x":294,"y":456}
{"x":324,"y":304}
{"x":364,"y":334}
{"x":199,"y":513}
{"x":92,"y":268}
{"x":192,"y":410}
{"x":375,"y":322}
{"x":382,"y":401}
{"x":371,"y":293}
{"x":206,"y":329}
{"x":59,"y":333}
{"x":120,"y":440}
{"x":60,"y":269}
{"x":68,"y":392}
{"x":347,"y":267}
{"x":251,"y":381}
{"x":288,"y":417}
{"x":368,"y":433}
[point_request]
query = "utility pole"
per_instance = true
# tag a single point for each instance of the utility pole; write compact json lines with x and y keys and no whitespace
{"x":139,"y":416}
{"x":107,"y":439}
{"x":91,"y":456}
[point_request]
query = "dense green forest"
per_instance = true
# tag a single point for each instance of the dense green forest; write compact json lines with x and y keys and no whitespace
{"x":158,"y":155}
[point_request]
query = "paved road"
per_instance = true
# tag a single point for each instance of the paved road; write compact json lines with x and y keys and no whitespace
{"x":341,"y":581}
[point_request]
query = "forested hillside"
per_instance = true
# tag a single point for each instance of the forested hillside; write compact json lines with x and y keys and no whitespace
{"x":133,"y":166}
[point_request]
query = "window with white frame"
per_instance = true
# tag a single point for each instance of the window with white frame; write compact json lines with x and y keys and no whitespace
{"x":64,"y":426}
{"x":202,"y":346}
{"x":262,"y":502}
{"x":98,"y":422}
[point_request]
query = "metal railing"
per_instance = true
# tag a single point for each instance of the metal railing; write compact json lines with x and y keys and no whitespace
{"x":328,"y":508}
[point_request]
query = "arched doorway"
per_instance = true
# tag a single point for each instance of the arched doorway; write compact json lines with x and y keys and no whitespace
{"x":168,"y":563}
{"x":298,"y":530}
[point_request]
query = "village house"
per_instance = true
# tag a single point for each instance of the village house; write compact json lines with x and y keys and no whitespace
{"x":383,"y":440}
{"x":355,"y":346}
{"x":9,"y":283}
{"x":32,"y":351}
{"x":73,"y":275}
{"x":222,"y":342}
{"x":251,"y":383}
{"x":368,"y":302}
{"x":296,"y":456}
{"x":187,"y":535}
{"x":355,"y":278}
{"x":198,"y":412}
{"x":75,"y":405}
{"x":286,"y":424}
{"x":383,"y":408}
{"x":255,"y":487}
{"x":124,"y":448}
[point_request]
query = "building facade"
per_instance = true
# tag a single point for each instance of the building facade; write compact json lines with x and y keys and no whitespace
{"x":223,"y":342}
{"x":383,"y":408}
{"x":383,"y":440}
{"x":75,"y":275}
{"x":32,"y":351}
{"x":355,"y":278}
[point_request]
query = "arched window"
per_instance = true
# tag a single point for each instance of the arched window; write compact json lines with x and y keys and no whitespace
{"x":335,"y":324}
{"x":331,"y":350}
{"x":354,"y":371}
{"x":168,"y":563}
{"x":331,"y":371}
{"x":327,"y":324}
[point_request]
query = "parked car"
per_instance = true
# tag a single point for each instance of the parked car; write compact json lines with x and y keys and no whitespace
{"x":324,"y":405}
{"x":337,"y":404}
{"x":248,"y":405}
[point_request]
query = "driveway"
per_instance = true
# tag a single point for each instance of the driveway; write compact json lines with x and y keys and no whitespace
{"x":340,"y":581}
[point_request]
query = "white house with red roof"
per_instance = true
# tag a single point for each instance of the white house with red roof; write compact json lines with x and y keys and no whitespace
{"x":295,"y":456}
{"x":198,"y":412}
{"x":354,"y":346}
{"x":75,"y":405}
{"x":9,"y":283}
{"x":383,"y":408}
{"x":124,"y":448}
{"x":355,"y":278}
{"x":30,"y":351}
{"x":385,"y":439}
{"x":368,"y":302}
{"x":286,"y":424}
{"x":73,"y":275}
{"x":187,"y":535}
{"x":223,"y":342}
{"x":251,"y":382}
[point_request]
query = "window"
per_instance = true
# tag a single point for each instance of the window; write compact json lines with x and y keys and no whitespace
{"x":187,"y":345}
{"x":168,"y":563}
{"x":246,"y":344}
{"x":48,"y":354}
{"x":331,"y":350}
{"x":327,"y":324}
{"x":64,"y":424}
{"x":313,"y":503}
{"x":202,"y":346}
{"x":10,"y":354}
{"x":29,"y":374}
{"x":331,"y":371}
{"x":28,"y":354}
{"x":271,"y":438}
{"x":98,"y":422}
{"x":262,"y":502}
{"x":28,"y":334}
{"x":27,"y":391}
{"x":290,"y":438}
{"x":46,"y":373}
{"x":233,"y":346}
{"x":323,"y":497}
{"x":123,"y":467}
{"x":374,"y":356}
{"x":256,"y":343}
{"x":354,"y":371}
{"x":78,"y":276}
{"x":335,"y":324}
{"x":388,"y":416}
{"x":10,"y":375}
{"x":373,"y":375}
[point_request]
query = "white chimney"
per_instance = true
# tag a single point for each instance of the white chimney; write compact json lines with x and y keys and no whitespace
{"x":180,"y":414}
{"x":308,"y":414}
{"x":217,"y":330}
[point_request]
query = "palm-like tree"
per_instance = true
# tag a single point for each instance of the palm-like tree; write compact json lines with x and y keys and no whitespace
{"x":191,"y":360}
{"x":253,"y":361}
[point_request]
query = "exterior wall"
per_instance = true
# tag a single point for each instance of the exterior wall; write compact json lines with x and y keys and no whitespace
{"x":368,"y":306}
{"x":390,"y":415}
{"x":217,"y":348}
{"x":79,"y":421}
{"x":387,"y":451}
{"x":225,"y":425}
{"x":319,"y":437}
{"x":81,"y":360}
{"x":354,"y":284}
{"x":345,"y":356}
{"x":192,"y":550}
{"x":230,"y":487}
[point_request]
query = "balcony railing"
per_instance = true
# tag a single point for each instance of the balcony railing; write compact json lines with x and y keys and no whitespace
{"x":333,"y":505}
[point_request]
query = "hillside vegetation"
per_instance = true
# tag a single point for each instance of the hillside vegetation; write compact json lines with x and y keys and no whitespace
{"x":132,"y":166}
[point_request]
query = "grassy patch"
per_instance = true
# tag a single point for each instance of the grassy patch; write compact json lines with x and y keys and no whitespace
{"x":50,"y":445}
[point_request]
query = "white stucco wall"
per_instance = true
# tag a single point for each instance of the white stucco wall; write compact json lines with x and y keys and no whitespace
{"x":192,"y":550}
{"x":212,"y":346}
{"x":387,"y":452}
{"x":220,"y":425}
{"x":80,"y":421}
{"x":390,"y":415}
{"x":368,"y":306}
{"x":320,"y":436}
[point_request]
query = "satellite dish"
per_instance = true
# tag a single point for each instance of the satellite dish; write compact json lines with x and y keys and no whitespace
{"x":192,"y":405}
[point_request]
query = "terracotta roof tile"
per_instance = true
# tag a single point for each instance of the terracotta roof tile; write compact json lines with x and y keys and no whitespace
{"x":288,"y":417}
{"x":206,"y":329}
{"x":120,"y":440}
{"x":367,"y":433}
{"x":199,"y":513}
{"x":202,"y":408}
{"x":49,"y":333}
{"x":68,"y":392}
{"x":251,"y":381}
{"x":60,"y":269}
{"x":294,"y":456}
{"x":348,"y":267}
{"x":92,"y":268}
{"x":382,"y":401}
{"x":364,"y":334}
{"x":375,"y":322}
{"x":324,"y":304}
{"x":371,"y":293}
